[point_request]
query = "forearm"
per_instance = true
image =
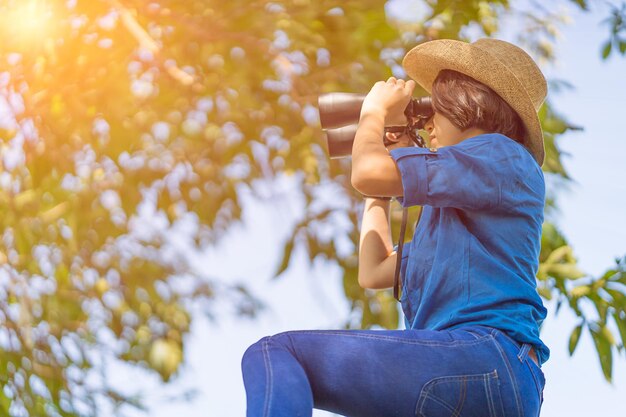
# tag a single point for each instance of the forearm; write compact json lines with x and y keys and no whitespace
{"x":373,"y":170}
{"x":376,"y":255}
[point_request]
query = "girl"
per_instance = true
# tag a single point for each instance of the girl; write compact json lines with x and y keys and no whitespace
{"x":471,"y":346}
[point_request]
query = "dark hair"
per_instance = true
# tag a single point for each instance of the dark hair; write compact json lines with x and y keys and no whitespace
{"x":469,"y":103}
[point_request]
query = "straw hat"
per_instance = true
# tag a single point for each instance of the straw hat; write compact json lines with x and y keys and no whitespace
{"x":502,"y":66}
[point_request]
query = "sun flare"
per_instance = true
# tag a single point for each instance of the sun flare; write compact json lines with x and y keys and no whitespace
{"x":27,"y":20}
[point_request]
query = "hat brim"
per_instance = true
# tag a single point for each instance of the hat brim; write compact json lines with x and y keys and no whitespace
{"x":423,"y":63}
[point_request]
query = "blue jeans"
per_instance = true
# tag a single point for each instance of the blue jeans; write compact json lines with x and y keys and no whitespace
{"x":473,"y":371}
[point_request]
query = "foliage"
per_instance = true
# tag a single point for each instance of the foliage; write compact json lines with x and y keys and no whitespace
{"x":607,"y":296}
{"x":617,"y":39}
{"x":128,"y":129}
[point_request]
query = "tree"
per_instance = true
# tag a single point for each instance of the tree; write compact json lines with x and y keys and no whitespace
{"x":128,"y":127}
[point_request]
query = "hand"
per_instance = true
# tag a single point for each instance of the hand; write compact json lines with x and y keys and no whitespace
{"x":390,"y":99}
{"x":398,"y":140}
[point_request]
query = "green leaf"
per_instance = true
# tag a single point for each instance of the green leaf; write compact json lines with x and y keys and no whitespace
{"x":621,"y":326}
{"x":622,"y":47}
{"x":565,"y":271}
{"x":574,"y":338}
{"x":605,"y":354}
{"x":606,"y":50}
{"x":165,"y":357}
{"x":580,"y":291}
{"x":284,"y":264}
{"x":560,"y":254}
{"x":608,"y":335}
{"x":581,"y":3}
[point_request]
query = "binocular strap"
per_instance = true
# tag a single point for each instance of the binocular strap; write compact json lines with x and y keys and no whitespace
{"x":396,"y":277}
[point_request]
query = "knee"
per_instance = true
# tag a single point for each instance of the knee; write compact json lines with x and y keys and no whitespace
{"x":254,"y":352}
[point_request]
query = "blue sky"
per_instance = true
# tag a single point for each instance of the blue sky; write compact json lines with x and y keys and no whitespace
{"x":592,"y":217}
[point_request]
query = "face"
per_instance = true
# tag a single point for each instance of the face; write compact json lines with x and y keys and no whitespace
{"x":442,"y":132}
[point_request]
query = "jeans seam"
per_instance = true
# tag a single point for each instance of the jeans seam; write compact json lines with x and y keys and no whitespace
{"x":537,"y":383}
{"x":268,"y":379}
{"x":432,"y":398}
{"x":509,"y":371}
{"x":459,"y":406}
{"x":477,"y":336}
{"x":476,"y":377}
{"x":524,"y":347}
{"x":488,"y":391}
{"x":398,"y":339}
{"x":487,"y":381}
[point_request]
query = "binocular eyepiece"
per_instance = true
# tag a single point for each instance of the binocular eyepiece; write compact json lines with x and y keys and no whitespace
{"x":340,"y":113}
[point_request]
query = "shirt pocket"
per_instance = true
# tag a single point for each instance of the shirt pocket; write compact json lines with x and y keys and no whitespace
{"x":461,"y":395}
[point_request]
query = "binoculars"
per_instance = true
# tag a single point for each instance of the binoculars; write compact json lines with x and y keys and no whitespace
{"x":340,"y":113}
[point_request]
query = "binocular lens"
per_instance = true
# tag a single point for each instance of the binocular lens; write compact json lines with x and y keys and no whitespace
{"x":340,"y":113}
{"x":339,"y":109}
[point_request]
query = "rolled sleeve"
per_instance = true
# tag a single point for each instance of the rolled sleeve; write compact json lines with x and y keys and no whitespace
{"x":414,"y":174}
{"x":469,"y":175}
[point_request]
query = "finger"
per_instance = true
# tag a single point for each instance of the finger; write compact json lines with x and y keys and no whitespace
{"x":391,"y":136}
{"x":410,"y":85}
{"x":391,"y":80}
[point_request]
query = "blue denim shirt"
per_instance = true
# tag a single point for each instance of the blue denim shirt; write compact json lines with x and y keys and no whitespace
{"x":475,"y":252}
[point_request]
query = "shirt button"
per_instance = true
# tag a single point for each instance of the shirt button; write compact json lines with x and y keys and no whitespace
{"x":432,"y":149}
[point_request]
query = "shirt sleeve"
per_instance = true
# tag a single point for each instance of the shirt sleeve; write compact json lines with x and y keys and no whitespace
{"x":468,"y":175}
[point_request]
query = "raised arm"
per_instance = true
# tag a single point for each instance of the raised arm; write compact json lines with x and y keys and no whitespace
{"x":373,"y":170}
{"x":374,"y":173}
{"x":377,"y":259}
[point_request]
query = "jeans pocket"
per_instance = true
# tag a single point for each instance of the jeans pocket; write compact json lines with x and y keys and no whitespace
{"x":461,"y":396}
